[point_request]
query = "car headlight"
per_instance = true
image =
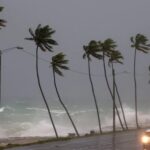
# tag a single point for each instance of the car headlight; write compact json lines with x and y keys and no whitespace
{"x":145,"y":139}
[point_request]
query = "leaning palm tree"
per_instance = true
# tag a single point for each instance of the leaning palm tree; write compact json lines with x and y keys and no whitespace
{"x":115,"y":57}
{"x":59,"y":62}
{"x":42,"y":36}
{"x":92,"y":50}
{"x":121,"y":106}
{"x":2,"y":21}
{"x":139,"y":43}
{"x":106,"y":48}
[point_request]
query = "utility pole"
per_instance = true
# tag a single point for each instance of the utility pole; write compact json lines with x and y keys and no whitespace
{"x":1,"y":52}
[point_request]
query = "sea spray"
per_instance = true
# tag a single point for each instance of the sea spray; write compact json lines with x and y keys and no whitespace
{"x":34,"y":121}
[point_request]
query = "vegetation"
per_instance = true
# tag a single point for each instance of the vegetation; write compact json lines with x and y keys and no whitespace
{"x":101,"y":50}
{"x":59,"y":62}
{"x":115,"y":57}
{"x":92,"y":50}
{"x":42,"y":36}
{"x":139,"y":43}
{"x":2,"y":21}
{"x":106,"y":48}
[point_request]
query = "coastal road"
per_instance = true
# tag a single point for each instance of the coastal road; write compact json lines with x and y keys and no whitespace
{"x":121,"y":141}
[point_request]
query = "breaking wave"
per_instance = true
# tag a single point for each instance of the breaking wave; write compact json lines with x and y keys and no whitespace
{"x":32,"y":121}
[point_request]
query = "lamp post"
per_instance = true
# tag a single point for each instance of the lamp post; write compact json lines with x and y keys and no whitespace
{"x":1,"y":52}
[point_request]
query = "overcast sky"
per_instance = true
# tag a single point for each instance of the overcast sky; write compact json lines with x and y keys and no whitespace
{"x":76,"y":23}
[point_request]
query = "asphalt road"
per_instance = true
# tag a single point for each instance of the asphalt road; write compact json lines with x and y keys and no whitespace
{"x":121,"y":141}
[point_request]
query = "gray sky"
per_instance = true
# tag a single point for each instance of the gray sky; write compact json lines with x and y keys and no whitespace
{"x":76,"y":23}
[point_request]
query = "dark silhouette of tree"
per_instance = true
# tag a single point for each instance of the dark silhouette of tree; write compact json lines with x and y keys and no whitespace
{"x":92,"y":50}
{"x":139,"y":43}
{"x":59,"y":63}
{"x":121,"y":106}
{"x":115,"y":57}
{"x":42,"y":36}
{"x":149,"y":72}
{"x":2,"y":21}
{"x":106,"y":48}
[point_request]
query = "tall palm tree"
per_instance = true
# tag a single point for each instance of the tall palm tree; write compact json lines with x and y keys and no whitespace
{"x":2,"y":21}
{"x":115,"y":57}
{"x":92,"y":50}
{"x":106,"y":48}
{"x":121,"y":106}
{"x":59,"y":62}
{"x":139,"y":43}
{"x":42,"y":36}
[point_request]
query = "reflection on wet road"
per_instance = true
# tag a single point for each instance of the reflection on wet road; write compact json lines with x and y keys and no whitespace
{"x":120,"y":141}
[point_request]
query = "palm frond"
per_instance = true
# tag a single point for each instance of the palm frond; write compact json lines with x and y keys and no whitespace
{"x":132,"y":39}
{"x":140,"y":43}
{"x":116,"y":57}
{"x":64,"y":67}
{"x":1,"y":8}
{"x":107,"y":46}
{"x":2,"y":21}
{"x":59,"y":62}
{"x":92,"y":49}
{"x":42,"y":36}
{"x":84,"y":56}
{"x":57,"y":71}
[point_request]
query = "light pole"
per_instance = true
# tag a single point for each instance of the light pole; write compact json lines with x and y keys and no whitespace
{"x":1,"y":52}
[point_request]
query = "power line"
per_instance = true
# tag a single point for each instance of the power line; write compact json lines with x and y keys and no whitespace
{"x":35,"y":56}
{"x":75,"y":71}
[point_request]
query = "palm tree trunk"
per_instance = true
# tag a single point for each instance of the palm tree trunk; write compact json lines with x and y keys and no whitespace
{"x":106,"y":78}
{"x":48,"y":109}
{"x":0,"y":78}
{"x":135,"y":92}
{"x":114,"y":101}
{"x":77,"y":133}
{"x":120,"y":102}
{"x":96,"y":105}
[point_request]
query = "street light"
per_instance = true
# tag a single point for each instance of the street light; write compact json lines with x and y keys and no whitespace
{"x":1,"y":52}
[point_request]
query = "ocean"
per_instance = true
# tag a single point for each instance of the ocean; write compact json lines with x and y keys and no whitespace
{"x":22,"y":120}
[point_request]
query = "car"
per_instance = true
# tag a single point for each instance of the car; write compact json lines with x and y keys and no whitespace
{"x":146,"y":140}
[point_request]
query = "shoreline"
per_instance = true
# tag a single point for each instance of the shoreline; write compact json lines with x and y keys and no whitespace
{"x":25,"y":141}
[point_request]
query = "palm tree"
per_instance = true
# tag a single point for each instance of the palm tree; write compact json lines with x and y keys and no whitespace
{"x":92,"y":50}
{"x":120,"y":102}
{"x":2,"y":21}
{"x":59,"y":62}
{"x":106,"y":48}
{"x":139,"y":43}
{"x":115,"y":57}
{"x":42,"y":36}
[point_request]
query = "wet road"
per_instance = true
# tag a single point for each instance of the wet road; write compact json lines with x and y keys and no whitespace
{"x":121,"y":141}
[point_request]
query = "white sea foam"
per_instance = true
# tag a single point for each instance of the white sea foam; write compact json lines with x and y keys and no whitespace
{"x":55,"y":111}
{"x":36,"y":109}
{"x":84,"y":122}
{"x":42,"y":128}
{"x":2,"y":109}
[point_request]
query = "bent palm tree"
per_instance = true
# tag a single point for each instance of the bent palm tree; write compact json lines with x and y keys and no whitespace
{"x":139,"y":43}
{"x":115,"y":57}
{"x":92,"y":50}
{"x":59,"y":62}
{"x":42,"y":38}
{"x":2,"y":21}
{"x":106,"y":48}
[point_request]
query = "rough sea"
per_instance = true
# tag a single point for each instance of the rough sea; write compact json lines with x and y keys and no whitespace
{"x":22,"y":120}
